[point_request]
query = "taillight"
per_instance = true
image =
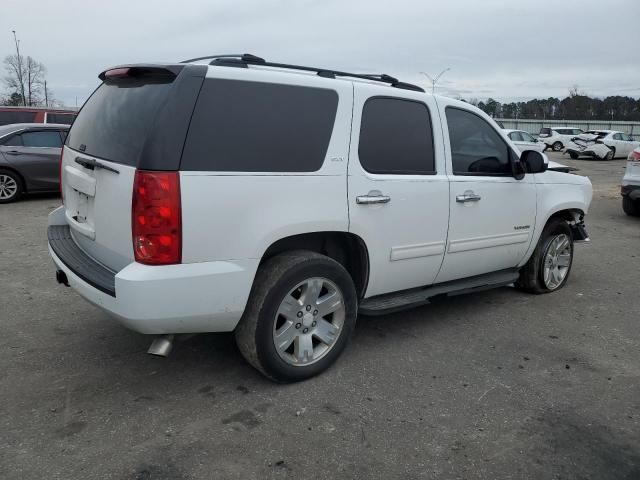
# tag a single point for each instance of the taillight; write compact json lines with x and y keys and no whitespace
{"x":156,"y":223}
{"x":60,"y":176}
{"x":634,"y":156}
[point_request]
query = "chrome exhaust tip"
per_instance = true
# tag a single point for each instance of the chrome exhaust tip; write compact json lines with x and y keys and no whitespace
{"x":161,"y":345}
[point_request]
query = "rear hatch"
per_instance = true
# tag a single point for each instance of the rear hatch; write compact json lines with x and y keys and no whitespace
{"x":136,"y":119}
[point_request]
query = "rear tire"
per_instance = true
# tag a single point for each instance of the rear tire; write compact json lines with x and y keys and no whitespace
{"x":11,"y":186}
{"x":284,"y":332}
{"x":548,"y":268}
{"x":631,"y":207}
{"x":557,"y":146}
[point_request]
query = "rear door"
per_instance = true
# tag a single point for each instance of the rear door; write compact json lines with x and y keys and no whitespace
{"x":137,"y":118}
{"x":492,"y":214}
{"x":36,"y":154}
{"x":398,"y":189}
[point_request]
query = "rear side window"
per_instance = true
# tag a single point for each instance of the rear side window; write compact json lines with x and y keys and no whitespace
{"x":244,"y":126}
{"x":476,"y":148}
{"x":49,"y":139}
{"x":113,"y":124}
{"x":396,"y":137}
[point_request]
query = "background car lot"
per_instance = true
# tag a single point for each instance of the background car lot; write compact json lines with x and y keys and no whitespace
{"x":495,"y":385}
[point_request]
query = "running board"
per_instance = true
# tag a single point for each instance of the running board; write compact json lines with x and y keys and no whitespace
{"x":397,"y":301}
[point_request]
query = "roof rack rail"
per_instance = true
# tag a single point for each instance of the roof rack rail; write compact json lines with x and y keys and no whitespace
{"x":243,"y":60}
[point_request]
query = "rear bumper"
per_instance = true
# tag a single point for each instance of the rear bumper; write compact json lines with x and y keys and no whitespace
{"x":185,"y":298}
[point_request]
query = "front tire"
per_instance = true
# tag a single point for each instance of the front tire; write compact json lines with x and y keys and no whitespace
{"x":11,"y":188}
{"x":548,"y":268}
{"x":631,"y":207}
{"x":611,"y":154}
{"x":574,"y":155}
{"x":301,"y":312}
{"x":557,"y":146}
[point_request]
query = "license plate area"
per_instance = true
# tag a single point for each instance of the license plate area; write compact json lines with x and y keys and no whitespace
{"x":79,"y":199}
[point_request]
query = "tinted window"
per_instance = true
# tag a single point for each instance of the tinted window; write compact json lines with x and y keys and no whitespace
{"x":396,"y":137}
{"x":113,"y":124}
{"x":545,"y":131}
{"x":15,"y":141}
{"x":16,"y":116}
{"x":63,"y":118}
{"x":259,"y":127}
{"x":476,"y":148}
{"x":515,"y":136}
{"x":42,"y":139}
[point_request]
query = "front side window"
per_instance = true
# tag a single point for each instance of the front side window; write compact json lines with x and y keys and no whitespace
{"x":515,"y":136}
{"x":476,"y":148}
{"x":396,"y":137}
{"x":577,"y":131}
{"x":527,"y":138}
{"x":259,"y":127}
{"x":49,"y":139}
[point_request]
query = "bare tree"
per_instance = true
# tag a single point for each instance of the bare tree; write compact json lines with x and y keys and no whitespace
{"x":28,"y":76}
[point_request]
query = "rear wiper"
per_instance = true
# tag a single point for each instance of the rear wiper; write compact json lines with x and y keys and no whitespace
{"x":92,"y":164}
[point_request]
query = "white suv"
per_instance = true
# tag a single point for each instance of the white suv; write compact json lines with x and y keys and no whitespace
{"x":557,"y":137}
{"x":280,"y":202}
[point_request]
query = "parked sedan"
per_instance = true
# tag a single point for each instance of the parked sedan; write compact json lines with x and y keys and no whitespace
{"x":524,"y":140}
{"x":620,"y":143}
{"x":30,"y":158}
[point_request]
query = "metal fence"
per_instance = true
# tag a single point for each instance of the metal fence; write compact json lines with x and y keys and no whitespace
{"x":534,"y":125}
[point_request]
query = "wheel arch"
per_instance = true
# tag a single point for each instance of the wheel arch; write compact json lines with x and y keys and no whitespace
{"x":346,"y":248}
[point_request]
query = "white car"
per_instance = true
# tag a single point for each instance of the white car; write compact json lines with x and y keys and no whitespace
{"x":280,"y":201}
{"x":620,"y":143}
{"x":524,"y":140}
{"x":557,"y":137}
{"x":631,"y":185}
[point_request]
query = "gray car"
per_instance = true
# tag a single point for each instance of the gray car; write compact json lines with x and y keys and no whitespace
{"x":30,"y":158}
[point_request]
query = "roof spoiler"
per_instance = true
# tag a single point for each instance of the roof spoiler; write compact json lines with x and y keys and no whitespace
{"x":141,"y":70}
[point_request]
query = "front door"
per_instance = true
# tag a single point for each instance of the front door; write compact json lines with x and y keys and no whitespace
{"x":398,"y":188}
{"x":492,"y":214}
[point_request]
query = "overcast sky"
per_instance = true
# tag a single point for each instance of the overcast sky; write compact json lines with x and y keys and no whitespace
{"x":505,"y":49}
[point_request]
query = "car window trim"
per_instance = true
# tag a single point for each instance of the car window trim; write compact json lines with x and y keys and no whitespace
{"x":400,"y":172}
{"x":512,"y":154}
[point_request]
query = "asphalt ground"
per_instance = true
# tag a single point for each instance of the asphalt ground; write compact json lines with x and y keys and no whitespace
{"x":497,"y":384}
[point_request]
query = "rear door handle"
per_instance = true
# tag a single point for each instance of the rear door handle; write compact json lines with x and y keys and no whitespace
{"x":372,"y":199}
{"x":12,"y":152}
{"x":468,"y":196}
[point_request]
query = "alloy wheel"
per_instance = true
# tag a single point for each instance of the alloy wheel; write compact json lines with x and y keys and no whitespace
{"x":557,"y":261}
{"x":309,"y":321}
{"x":8,"y":187}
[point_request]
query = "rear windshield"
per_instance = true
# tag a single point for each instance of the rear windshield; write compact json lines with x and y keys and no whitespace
{"x":545,"y":131}
{"x":61,"y":118}
{"x":113,"y":124}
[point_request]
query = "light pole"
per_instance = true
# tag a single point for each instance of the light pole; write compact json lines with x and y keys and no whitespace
{"x":435,"y":79}
{"x":19,"y":72}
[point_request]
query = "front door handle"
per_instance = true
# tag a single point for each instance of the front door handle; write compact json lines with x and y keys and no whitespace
{"x":372,"y":199}
{"x":12,"y":152}
{"x":468,"y":196}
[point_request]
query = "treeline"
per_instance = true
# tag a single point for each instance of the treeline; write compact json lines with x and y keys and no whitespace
{"x":574,"y":107}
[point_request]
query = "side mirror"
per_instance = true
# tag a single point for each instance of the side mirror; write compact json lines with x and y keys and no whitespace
{"x":533,"y":161}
